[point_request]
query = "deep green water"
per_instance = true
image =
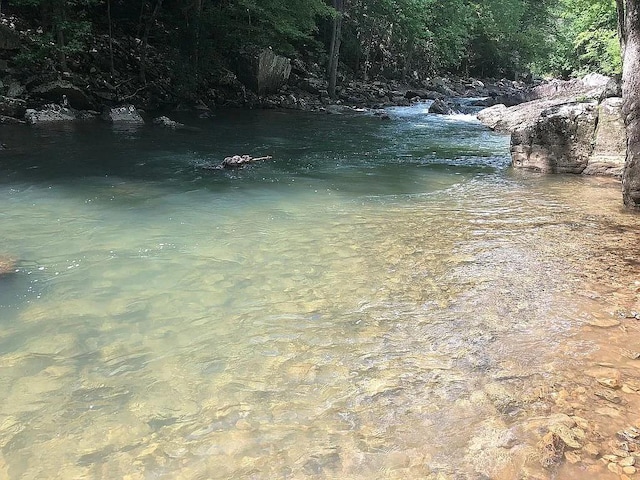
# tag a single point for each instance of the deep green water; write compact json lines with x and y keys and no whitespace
{"x":342,"y":311}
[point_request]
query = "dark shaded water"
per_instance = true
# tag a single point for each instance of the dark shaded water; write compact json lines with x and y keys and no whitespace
{"x":345,"y":310}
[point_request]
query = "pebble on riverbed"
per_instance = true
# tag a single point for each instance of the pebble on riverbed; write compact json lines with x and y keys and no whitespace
{"x":552,"y":449}
{"x":633,"y":355}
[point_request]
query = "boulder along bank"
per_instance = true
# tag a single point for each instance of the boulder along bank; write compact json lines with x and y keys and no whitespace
{"x":571,"y":127}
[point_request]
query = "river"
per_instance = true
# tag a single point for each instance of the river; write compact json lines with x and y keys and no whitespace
{"x":381,"y":300}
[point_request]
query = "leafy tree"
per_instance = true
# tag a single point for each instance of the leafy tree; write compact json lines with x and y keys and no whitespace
{"x":64,"y":28}
{"x":507,"y":36}
{"x":585,"y":39}
{"x":280,"y":24}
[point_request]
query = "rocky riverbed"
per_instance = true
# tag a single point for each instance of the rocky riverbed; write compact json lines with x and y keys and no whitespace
{"x":581,"y":420}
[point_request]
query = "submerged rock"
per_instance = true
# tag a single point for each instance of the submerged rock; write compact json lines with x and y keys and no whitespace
{"x":168,"y":123}
{"x":8,"y":266}
{"x":551,"y":450}
{"x":567,"y":435}
{"x":236,"y":161}
{"x":241,"y":160}
{"x":440,"y":107}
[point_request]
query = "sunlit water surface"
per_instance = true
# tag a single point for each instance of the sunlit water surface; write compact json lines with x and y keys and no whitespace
{"x":353,"y":308}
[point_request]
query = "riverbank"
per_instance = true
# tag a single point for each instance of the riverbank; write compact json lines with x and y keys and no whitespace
{"x":587,"y":424}
{"x":302,"y":94}
{"x":113,"y":74}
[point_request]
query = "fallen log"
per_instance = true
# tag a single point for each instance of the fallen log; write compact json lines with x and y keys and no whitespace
{"x":237,"y":161}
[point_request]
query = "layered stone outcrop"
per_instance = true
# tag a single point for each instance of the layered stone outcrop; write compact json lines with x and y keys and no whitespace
{"x":571,"y":132}
{"x":610,"y":142}
{"x":264,"y":72}
{"x":558,"y":141}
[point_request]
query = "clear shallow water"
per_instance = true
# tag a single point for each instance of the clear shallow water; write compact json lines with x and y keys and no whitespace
{"x":361,"y":306}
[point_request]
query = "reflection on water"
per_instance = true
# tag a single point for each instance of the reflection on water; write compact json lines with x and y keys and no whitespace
{"x":383,"y":300}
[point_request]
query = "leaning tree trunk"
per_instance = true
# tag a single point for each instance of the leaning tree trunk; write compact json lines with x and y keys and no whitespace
{"x":629,"y":16}
{"x":145,"y":41}
{"x":334,"y":51}
{"x":112,"y":68}
{"x":60,"y":17}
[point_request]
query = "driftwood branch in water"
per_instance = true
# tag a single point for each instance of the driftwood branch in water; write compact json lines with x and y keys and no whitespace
{"x":238,"y":161}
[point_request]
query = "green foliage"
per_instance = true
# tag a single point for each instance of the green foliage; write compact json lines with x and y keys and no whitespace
{"x":393,"y":38}
{"x":280,"y":24}
{"x":64,"y":28}
{"x":481,"y":37}
{"x":585,"y":39}
{"x":507,"y":36}
{"x":450,"y":24}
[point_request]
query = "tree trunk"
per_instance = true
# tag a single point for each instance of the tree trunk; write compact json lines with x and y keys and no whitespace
{"x":408,"y":58}
{"x":145,"y":41}
{"x":630,"y":40}
{"x":111,"y":66}
{"x":334,"y":52}
{"x":197,"y":25}
{"x":60,"y":18}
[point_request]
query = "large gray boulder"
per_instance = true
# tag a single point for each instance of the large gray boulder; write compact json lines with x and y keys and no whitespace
{"x":8,"y":265}
{"x":610,"y":140}
{"x":263,"y":71}
{"x":507,"y":119}
{"x":590,"y":86}
{"x":127,"y":114}
{"x":12,"y":107}
{"x":568,"y":132}
{"x":49,"y":114}
{"x":559,"y":140}
{"x":547,"y":95}
{"x":440,"y":107}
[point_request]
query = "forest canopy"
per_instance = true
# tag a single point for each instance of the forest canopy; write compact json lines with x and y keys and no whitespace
{"x":390,"y":38}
